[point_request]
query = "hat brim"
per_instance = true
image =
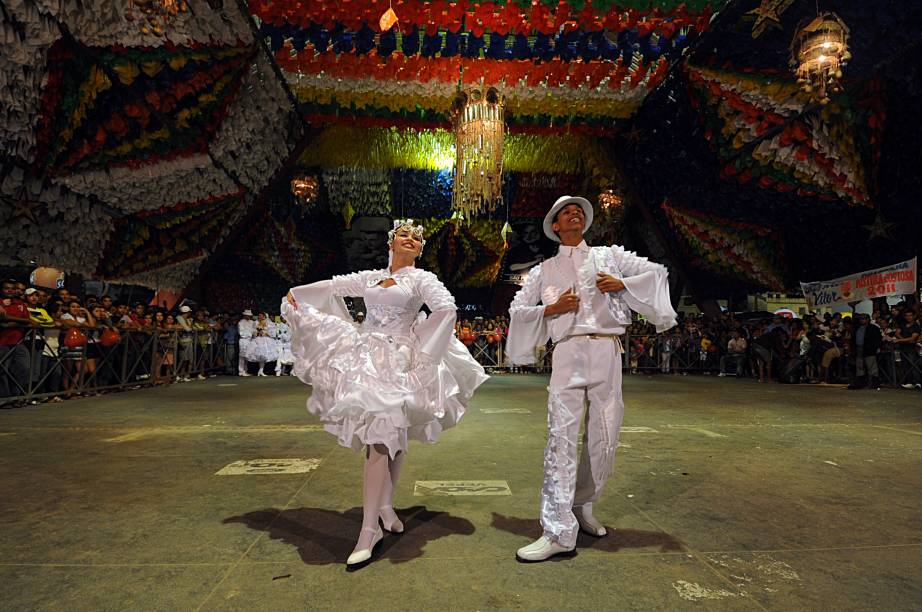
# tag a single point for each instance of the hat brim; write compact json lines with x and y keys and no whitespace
{"x":558,"y":206}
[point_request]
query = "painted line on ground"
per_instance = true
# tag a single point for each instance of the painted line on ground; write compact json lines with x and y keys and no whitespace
{"x":460,"y":487}
{"x":269,"y":466}
{"x":505,"y":410}
{"x":137,"y":434}
{"x":501,"y":556}
{"x":701,"y":430}
{"x":909,"y":431}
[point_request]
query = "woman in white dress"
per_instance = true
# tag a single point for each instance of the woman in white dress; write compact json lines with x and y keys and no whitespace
{"x":263,"y":347}
{"x":283,"y":336}
{"x":399,"y":377}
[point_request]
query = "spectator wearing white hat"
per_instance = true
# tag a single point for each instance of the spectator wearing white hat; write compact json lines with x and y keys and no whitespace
{"x":186,"y":342}
{"x":246,"y":329}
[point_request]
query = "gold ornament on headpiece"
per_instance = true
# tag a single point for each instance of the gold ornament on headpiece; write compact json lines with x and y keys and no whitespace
{"x":400,"y":224}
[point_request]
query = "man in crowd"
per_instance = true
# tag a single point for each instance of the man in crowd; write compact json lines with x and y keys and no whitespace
{"x":765,"y":348}
{"x":905,"y":339}
{"x":736,"y":354}
{"x":866,"y":342}
{"x":14,"y":356}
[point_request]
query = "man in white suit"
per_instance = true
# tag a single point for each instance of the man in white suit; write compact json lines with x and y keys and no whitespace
{"x":586,"y":295}
{"x":246,"y":329}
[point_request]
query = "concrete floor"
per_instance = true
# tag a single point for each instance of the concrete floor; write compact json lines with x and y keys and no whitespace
{"x":727,"y":495}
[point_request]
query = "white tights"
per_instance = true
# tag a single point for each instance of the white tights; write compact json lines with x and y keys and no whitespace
{"x":381,"y":475}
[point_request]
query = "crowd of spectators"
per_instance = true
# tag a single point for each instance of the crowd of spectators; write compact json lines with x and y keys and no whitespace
{"x":484,"y":337}
{"x":860,"y":350}
{"x":59,"y":340}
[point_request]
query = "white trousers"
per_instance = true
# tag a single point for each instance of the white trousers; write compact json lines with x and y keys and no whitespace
{"x":243,"y":343}
{"x":583,"y":369}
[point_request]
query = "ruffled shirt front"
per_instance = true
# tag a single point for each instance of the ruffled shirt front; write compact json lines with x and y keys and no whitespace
{"x":646,"y":292}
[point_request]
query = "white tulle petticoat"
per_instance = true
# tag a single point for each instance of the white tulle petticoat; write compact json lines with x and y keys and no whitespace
{"x":262,"y":348}
{"x":372,"y":388}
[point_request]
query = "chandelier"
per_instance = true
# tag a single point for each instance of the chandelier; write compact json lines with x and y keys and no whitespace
{"x":156,"y":14}
{"x":478,"y":119}
{"x":305,"y":189}
{"x":610,"y":202}
{"x":818,"y":52}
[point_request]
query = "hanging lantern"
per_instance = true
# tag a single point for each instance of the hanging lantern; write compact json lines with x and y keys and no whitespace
{"x":610,"y":202}
{"x":156,"y":15}
{"x":478,"y":118}
{"x":305,"y":189}
{"x":818,"y":52}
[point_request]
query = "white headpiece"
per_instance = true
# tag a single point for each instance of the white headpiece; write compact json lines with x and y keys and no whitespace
{"x":400,"y":224}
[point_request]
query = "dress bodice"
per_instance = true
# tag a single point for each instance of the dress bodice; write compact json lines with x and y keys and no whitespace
{"x":390,"y":310}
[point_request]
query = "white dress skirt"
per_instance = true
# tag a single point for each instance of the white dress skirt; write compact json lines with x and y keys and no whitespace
{"x":263,"y":346}
{"x":283,"y":335}
{"x":400,"y":376}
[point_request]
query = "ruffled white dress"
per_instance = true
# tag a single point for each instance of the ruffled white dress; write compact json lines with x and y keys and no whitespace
{"x":283,"y":335}
{"x":263,"y":346}
{"x":400,"y":376}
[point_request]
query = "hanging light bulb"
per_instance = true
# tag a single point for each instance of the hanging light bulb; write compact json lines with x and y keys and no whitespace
{"x":818,"y":53}
{"x":156,"y":15}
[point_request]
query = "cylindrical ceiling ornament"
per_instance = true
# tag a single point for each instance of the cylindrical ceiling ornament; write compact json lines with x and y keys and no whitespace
{"x":478,"y":118}
{"x":305,"y":188}
{"x":156,"y":16}
{"x":818,"y":53}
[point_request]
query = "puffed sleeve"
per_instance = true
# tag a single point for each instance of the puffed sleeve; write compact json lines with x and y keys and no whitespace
{"x":527,"y":327}
{"x":435,"y":332}
{"x":326,"y":295}
{"x":646,"y":285}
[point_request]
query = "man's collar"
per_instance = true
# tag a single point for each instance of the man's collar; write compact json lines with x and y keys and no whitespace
{"x":568,"y":250}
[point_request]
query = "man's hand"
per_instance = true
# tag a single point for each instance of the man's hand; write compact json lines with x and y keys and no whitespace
{"x":567,"y":302}
{"x":606,"y":283}
{"x":291,"y":300}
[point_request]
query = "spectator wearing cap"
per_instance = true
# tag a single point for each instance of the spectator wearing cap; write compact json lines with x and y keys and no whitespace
{"x":186,"y":343}
{"x":39,"y":319}
{"x":14,"y":356}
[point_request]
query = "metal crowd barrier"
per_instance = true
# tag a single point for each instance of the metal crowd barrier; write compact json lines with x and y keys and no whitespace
{"x":42,"y":367}
{"x":899,"y":367}
{"x":648,"y":353}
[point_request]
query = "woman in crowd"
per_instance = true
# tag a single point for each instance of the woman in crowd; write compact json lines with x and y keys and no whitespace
{"x":166,"y":347}
{"x":264,"y":347}
{"x":283,"y":337}
{"x":400,"y":377}
{"x":77,"y":320}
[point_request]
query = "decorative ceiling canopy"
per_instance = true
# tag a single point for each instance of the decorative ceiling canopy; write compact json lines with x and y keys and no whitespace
{"x":557,"y":65}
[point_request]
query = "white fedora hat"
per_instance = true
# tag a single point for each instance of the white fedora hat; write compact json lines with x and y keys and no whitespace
{"x":248,"y":313}
{"x":556,"y":208}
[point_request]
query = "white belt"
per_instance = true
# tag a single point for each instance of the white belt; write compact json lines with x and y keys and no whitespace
{"x":619,"y":348}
